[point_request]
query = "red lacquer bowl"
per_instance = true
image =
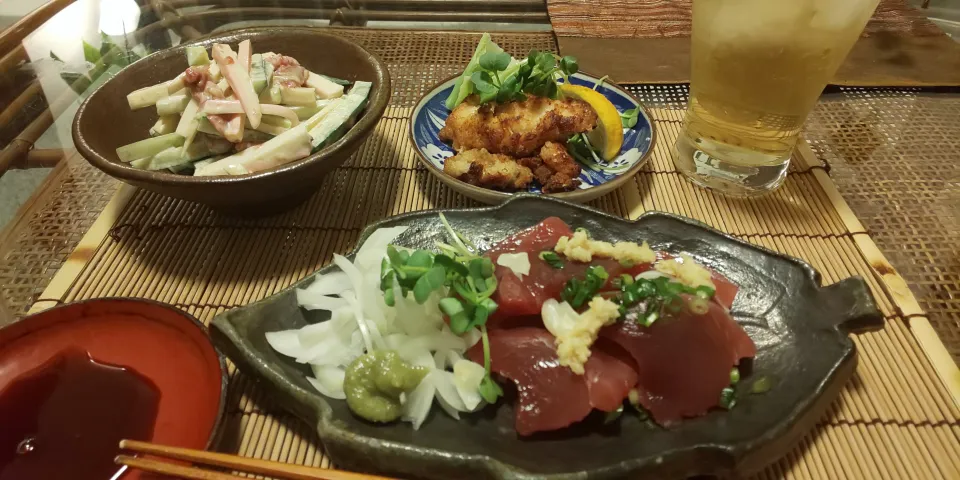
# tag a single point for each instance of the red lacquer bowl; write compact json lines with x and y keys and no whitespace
{"x":166,"y":345}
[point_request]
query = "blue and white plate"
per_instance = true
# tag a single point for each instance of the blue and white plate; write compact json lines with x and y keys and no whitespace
{"x":597,"y":178}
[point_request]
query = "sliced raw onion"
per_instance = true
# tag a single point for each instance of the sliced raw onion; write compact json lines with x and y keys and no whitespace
{"x":417,"y":404}
{"x":559,"y":318}
{"x":312,"y":301}
{"x":651,"y":275}
{"x":285,"y":342}
{"x":375,"y":247}
{"x":328,"y":381}
{"x":333,"y":283}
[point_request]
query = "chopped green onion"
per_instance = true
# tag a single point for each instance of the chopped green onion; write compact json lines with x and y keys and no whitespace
{"x":551,"y":258}
{"x":626,"y":279}
{"x":761,"y":385}
{"x":734,"y":375}
{"x":728,"y":398}
{"x":698,"y":305}
{"x":613,"y":416}
{"x":584,"y":230}
{"x":649,"y":318}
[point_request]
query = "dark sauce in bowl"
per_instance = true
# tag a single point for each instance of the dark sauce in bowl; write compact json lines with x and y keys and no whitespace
{"x":66,"y":418}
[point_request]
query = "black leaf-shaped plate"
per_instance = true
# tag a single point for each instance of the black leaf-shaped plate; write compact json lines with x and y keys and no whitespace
{"x":801,"y":331}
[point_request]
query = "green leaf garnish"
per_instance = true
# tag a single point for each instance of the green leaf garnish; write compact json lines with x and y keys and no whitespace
{"x":629,"y":117}
{"x":495,"y":61}
{"x":469,"y":281}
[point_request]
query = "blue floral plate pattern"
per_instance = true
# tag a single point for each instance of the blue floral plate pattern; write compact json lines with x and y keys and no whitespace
{"x":597,"y":178}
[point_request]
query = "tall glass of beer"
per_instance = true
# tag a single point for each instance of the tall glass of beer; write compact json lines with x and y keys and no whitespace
{"x":758,"y":68}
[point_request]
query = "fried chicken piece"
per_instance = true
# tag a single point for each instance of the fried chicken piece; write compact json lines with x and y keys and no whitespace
{"x":488,"y":170}
{"x":555,"y":169}
{"x":518,"y":129}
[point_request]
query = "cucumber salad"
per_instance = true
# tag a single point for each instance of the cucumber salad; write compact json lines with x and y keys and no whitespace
{"x":239,"y":112}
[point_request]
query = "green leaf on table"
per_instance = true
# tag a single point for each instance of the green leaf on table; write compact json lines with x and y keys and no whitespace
{"x":78,"y":82}
{"x":495,"y":61}
{"x":105,"y":43}
{"x":55,"y":57}
{"x":90,"y":53}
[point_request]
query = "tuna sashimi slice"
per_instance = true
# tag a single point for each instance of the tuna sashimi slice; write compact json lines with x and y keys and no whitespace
{"x":550,"y":396}
{"x":610,"y":375}
{"x":683,"y":362}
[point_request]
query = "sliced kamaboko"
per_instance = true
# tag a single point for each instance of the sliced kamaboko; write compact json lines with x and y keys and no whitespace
{"x":239,"y":79}
{"x":683,"y":361}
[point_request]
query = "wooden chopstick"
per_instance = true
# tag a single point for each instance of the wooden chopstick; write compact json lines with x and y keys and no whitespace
{"x":233,"y":462}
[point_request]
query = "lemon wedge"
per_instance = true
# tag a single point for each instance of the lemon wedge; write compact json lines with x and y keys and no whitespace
{"x":608,"y":136}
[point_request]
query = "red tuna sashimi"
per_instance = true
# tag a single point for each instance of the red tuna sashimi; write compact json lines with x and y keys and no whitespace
{"x":610,"y":375}
{"x":520,"y":297}
{"x":517,"y":297}
{"x":551,"y":396}
{"x":683,"y":362}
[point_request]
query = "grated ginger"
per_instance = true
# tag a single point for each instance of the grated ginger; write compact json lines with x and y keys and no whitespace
{"x":573,"y":347}
{"x":686,"y":271}
{"x":581,"y":248}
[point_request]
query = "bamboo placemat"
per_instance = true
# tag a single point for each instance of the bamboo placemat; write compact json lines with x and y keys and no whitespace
{"x":897,"y":419}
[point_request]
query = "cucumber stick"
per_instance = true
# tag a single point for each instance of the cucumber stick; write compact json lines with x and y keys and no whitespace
{"x":325,"y":88}
{"x":271,"y":95}
{"x":147,"y":96}
{"x":337,"y":121}
{"x":149,"y":147}
{"x":249,"y":134}
{"x":197,"y":55}
{"x":165,"y":124}
{"x":276,"y":121}
{"x":304,"y":113}
{"x":304,"y":96}
{"x":261,"y":72}
{"x":267,"y":128}
{"x":187,"y":128}
{"x":172,"y":105}
{"x":289,"y":146}
{"x":175,"y":157}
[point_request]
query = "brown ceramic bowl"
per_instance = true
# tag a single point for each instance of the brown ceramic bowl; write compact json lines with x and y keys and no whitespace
{"x":105,"y":122}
